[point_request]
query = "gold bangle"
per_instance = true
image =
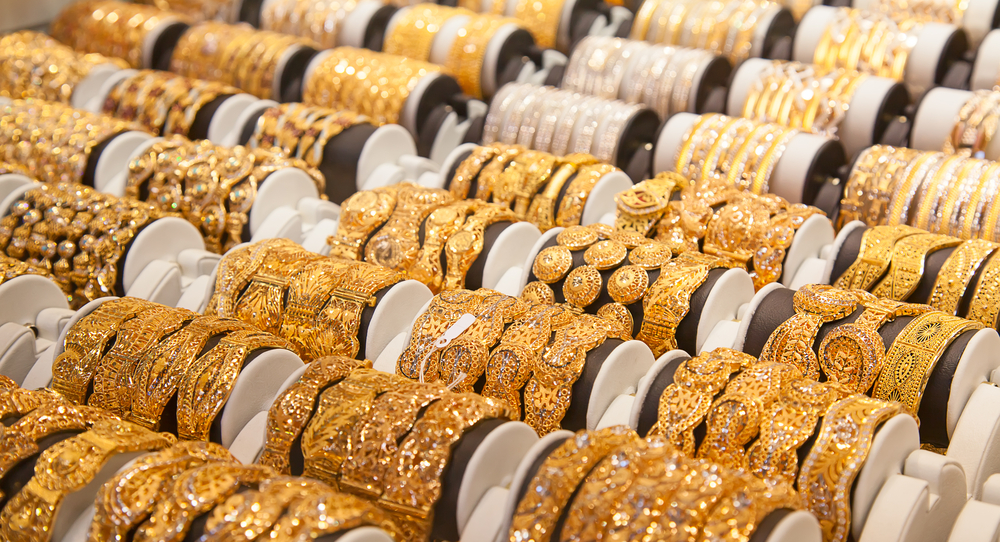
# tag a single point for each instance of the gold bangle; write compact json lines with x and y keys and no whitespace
{"x":196,"y":492}
{"x":413,"y":483}
{"x":575,"y":198}
{"x":114,"y":384}
{"x":74,"y":369}
{"x":685,"y":402}
{"x":327,"y":439}
{"x":907,"y":266}
{"x":439,"y":227}
{"x":415,"y":31}
{"x":377,"y":438}
{"x":468,"y":51}
{"x":842,"y":445}
{"x":396,"y":244}
{"x":913,"y":355}
{"x":815,"y":304}
{"x":639,"y":208}
{"x":787,"y":424}
{"x":464,"y":246}
{"x":736,"y":416}
{"x":984,"y":306}
{"x":669,"y":298}
{"x":542,"y":19}
{"x":957,"y":272}
{"x":331,"y":513}
{"x":469,"y":353}
{"x":360,"y":215}
{"x":68,"y":466}
{"x":854,"y":354}
{"x":551,"y":489}
{"x":469,"y":169}
{"x":874,"y":256}
{"x":126,"y":500}
{"x":252,"y":514}
{"x":206,"y":388}
{"x":520,"y":351}
{"x":293,"y":409}
{"x":548,"y":392}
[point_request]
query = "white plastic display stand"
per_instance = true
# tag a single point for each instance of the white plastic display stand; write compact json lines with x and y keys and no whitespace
{"x":789,"y":177}
{"x":935,"y":121}
{"x":352,"y":30}
{"x":919,"y":73}
{"x":856,"y":130}
{"x":33,"y":312}
{"x":252,"y":111}
{"x":91,"y":85}
{"x":986,"y":70}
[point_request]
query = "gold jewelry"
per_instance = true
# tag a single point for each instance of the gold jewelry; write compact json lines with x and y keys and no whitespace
{"x":550,"y":491}
{"x":112,"y":29}
{"x":552,"y":264}
{"x":468,"y":51}
{"x":669,"y":298}
{"x":913,"y":355}
{"x":126,"y":500}
{"x":907,"y":266}
{"x":685,"y":402}
{"x":331,"y":514}
{"x":575,"y":198}
{"x":360,"y":215}
{"x":815,"y":305}
{"x":542,"y":19}
{"x":835,"y":459}
{"x":42,"y":68}
{"x":641,"y":207}
{"x":874,"y":257}
{"x":464,"y":246}
{"x":548,"y":392}
{"x":414,"y":32}
{"x":293,"y":409}
{"x":957,"y":272}
{"x":984,"y":306}
{"x":68,"y":466}
{"x":439,"y":227}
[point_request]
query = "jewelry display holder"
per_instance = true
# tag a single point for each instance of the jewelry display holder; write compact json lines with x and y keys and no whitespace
{"x":986,"y":70}
{"x":361,"y":157}
{"x":431,"y":97}
{"x":578,"y":19}
{"x":978,"y":18}
{"x":935,"y":119}
{"x":937,"y":47}
{"x":806,"y":159}
{"x":979,"y":521}
{"x":91,"y":85}
{"x":875,"y":100}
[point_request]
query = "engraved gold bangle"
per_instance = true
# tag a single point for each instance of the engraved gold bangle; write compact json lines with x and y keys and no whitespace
{"x":874,"y":257}
{"x":835,"y":459}
{"x":957,"y":272}
{"x":913,"y":355}
{"x":414,"y":32}
{"x":360,"y":215}
{"x":984,"y":306}
{"x":907,"y":267}
{"x":551,"y":489}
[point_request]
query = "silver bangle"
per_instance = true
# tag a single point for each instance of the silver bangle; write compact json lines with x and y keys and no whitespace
{"x":532,"y":116}
{"x":607,"y":145}
{"x":498,"y":108}
{"x":556,"y":106}
{"x":567,"y":122}
{"x":587,"y":124}
{"x":512,"y":124}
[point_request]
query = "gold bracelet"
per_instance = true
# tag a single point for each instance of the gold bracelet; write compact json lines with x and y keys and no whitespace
{"x":835,"y":459}
{"x":125,"y":501}
{"x":740,"y":514}
{"x":414,"y":32}
{"x":252,"y":514}
{"x":854,"y":354}
{"x":396,"y":244}
{"x":74,"y":369}
{"x":551,"y":489}
{"x":874,"y":256}
{"x":639,"y":208}
{"x":685,"y":402}
{"x":360,"y":215}
{"x":984,"y":306}
{"x":957,"y":272}
{"x":913,"y":355}
{"x":575,"y":198}
{"x":327,"y":439}
{"x":907,"y":268}
{"x":413,"y":483}
{"x":787,"y":424}
{"x":206,"y":388}
{"x":68,"y":466}
{"x":114,"y":379}
{"x":464,"y":246}
{"x":469,"y":169}
{"x":196,"y":492}
{"x":293,"y":409}
{"x":815,"y":305}
{"x":331,"y":514}
{"x":378,"y":438}
{"x":439,"y":227}
{"x":669,"y":298}
{"x":735,"y":417}
{"x":520,"y":350}
{"x":542,"y":19}
{"x":548,"y":392}
{"x":468,"y":51}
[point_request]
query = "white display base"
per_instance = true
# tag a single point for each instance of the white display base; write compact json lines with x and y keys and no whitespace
{"x":810,"y":31}
{"x":67,"y":524}
{"x":510,"y":248}
{"x":95,"y":102}
{"x":152,"y":36}
{"x":733,"y":290}
{"x":986,"y":70}
{"x":977,"y":21}
{"x":443,"y":39}
{"x":227,"y":118}
{"x":818,"y":268}
{"x":921,"y":67}
{"x":252,"y":111}
{"x":935,"y":119}
{"x":352,"y":30}
{"x":12,"y":187}
{"x":115,"y":157}
{"x":163,"y":240}
{"x":388,"y":144}
{"x":279,"y":70}
{"x":26,"y":302}
{"x":858,"y":127}
{"x":815,"y":233}
{"x":978,"y":522}
{"x":91,"y":85}
{"x":743,"y":80}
